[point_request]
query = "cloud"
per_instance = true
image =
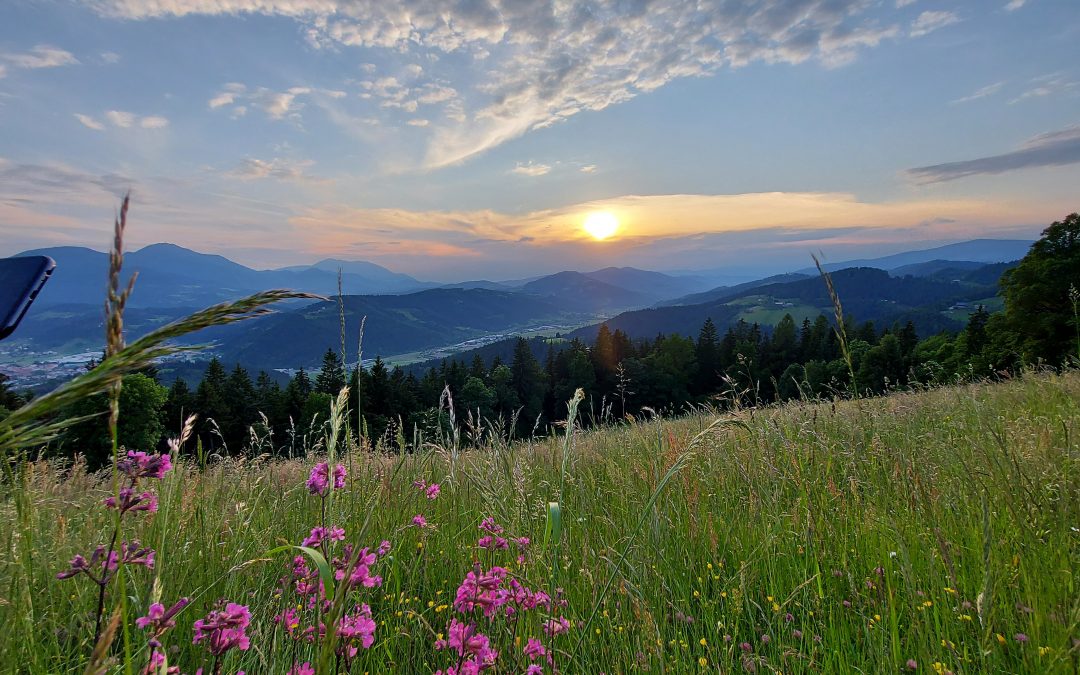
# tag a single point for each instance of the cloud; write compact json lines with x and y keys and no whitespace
{"x":153,"y":122}
{"x":531,"y":169}
{"x":1056,"y":148}
{"x":928,"y":22}
{"x":588,"y":168}
{"x":109,"y":58}
{"x":904,"y":3}
{"x":1048,"y":85}
{"x":3,"y":71}
{"x":988,"y":90}
{"x":120,"y":118}
{"x":277,"y":105}
{"x":518,"y":66}
{"x":418,"y":122}
{"x":279,"y":168}
{"x":89,"y":122}
{"x":227,"y":96}
{"x":689,"y":230}
{"x":41,"y":56}
{"x":1015,"y":5}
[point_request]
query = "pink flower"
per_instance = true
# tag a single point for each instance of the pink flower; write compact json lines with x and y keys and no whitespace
{"x":318,"y":483}
{"x":142,"y":465}
{"x":302,"y":669}
{"x":159,"y":619}
{"x":224,"y":630}
{"x":319,"y":534}
{"x":432,"y":491}
{"x":534,"y":649}
{"x":490,"y":542}
{"x":359,"y":626}
{"x":467,"y":642}
{"x":361,"y":574}
{"x":534,"y":669}
{"x":419,"y":521}
{"x":130,"y":501}
{"x":384,"y":548}
{"x":556,"y":626}
{"x":482,"y":591}
{"x":489,"y":525}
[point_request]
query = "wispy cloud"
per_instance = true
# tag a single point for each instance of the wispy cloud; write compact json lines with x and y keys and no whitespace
{"x":588,"y":168}
{"x":278,"y":105}
{"x":109,"y":58}
{"x":930,"y":21}
{"x":279,"y":168}
{"x":89,"y":122}
{"x":122,"y":119}
{"x":988,"y":90}
{"x":531,"y":169}
{"x":1051,"y":84}
{"x":41,"y":56}
{"x":153,"y":122}
{"x":1014,"y":5}
{"x":1056,"y":148}
{"x":520,"y":66}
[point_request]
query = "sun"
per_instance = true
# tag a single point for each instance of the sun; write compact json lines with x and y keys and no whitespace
{"x":601,"y":225}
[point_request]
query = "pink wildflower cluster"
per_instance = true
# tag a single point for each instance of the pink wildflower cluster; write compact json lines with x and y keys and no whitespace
{"x":225,"y":629}
{"x":493,"y":539}
{"x":430,"y":490}
{"x":355,"y":568}
{"x":142,"y":465}
{"x":157,"y":622}
{"x":104,"y":561}
{"x":497,"y":596}
{"x":473,"y":649}
{"x":319,"y":481}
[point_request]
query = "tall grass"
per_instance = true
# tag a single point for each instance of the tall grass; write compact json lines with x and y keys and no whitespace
{"x":935,"y":526}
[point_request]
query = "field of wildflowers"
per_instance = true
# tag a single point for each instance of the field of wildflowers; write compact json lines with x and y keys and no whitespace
{"x":928,"y":532}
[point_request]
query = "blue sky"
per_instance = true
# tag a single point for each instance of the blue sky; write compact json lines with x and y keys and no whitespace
{"x":456,"y":139}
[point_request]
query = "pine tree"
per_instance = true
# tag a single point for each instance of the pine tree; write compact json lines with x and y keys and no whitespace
{"x":178,"y":406}
{"x":707,"y":352}
{"x":211,"y":404}
{"x":331,"y":377}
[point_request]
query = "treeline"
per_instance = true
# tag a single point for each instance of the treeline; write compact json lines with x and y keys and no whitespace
{"x":620,"y":376}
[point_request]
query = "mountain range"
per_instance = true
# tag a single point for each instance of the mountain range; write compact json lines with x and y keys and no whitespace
{"x":409,"y":316}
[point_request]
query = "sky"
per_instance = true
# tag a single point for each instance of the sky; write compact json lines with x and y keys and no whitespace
{"x":467,"y":139}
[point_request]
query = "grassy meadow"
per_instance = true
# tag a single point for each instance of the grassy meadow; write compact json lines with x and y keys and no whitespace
{"x":932,"y":531}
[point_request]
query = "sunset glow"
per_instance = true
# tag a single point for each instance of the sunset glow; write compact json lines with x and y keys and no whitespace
{"x":601,"y":225}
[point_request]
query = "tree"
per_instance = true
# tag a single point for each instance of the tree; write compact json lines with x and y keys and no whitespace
{"x":1038,"y":309}
{"x":211,"y":402}
{"x":139,"y":427}
{"x":707,"y":353}
{"x":331,"y":377}
{"x":527,"y":380}
{"x":141,"y":401}
{"x":178,"y":406}
{"x":477,"y":399}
